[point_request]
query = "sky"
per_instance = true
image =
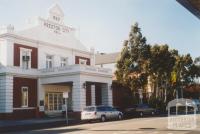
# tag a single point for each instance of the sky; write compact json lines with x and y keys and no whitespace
{"x":105,"y":24}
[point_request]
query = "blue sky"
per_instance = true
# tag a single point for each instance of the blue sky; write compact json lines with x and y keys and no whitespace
{"x":104,"y":24}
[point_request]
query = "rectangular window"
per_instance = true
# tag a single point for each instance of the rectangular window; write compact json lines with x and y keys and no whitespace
{"x":25,"y":58}
{"x":49,"y":61}
{"x":63,"y":62}
{"x":24,"y":96}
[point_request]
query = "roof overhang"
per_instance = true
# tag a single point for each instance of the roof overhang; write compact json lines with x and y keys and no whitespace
{"x":192,"y":5}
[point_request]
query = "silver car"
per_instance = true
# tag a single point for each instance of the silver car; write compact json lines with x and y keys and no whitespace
{"x":102,"y":113}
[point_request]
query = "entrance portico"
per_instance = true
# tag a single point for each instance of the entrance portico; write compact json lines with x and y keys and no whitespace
{"x":84,"y":88}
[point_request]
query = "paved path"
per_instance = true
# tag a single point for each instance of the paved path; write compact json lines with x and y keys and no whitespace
{"x":156,"y":125}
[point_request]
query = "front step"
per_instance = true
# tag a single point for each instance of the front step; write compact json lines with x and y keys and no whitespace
{"x":54,"y":114}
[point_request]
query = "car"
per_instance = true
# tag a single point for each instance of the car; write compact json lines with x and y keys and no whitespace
{"x":197,"y":103}
{"x":130,"y":111}
{"x":101,"y":113}
{"x":145,"y":109}
{"x":140,"y":109}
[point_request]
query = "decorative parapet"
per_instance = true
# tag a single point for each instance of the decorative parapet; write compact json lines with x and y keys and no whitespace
{"x":70,"y":69}
{"x":76,"y":69}
{"x":13,"y":70}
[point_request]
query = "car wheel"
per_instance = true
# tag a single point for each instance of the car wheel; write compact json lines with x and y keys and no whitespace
{"x":103,"y":118}
{"x":141,"y":114}
{"x":119,"y":116}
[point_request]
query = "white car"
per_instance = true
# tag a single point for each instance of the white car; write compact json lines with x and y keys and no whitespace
{"x":102,"y":113}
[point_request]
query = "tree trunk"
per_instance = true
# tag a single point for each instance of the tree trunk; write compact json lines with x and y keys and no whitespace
{"x":156,"y":89}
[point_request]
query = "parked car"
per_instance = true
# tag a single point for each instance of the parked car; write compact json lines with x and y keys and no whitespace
{"x":197,"y":102}
{"x":102,"y":113}
{"x":144,"y":109}
{"x":130,"y":111}
{"x":140,"y":109}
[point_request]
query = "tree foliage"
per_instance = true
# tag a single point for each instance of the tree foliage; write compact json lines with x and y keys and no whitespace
{"x":166,"y":68}
{"x":132,"y":66}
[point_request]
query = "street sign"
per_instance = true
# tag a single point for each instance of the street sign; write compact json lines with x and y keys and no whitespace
{"x":65,"y":94}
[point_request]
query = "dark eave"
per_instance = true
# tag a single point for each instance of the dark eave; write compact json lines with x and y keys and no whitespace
{"x":192,"y":5}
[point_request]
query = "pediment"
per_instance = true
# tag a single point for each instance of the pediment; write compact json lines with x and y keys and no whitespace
{"x":56,"y":10}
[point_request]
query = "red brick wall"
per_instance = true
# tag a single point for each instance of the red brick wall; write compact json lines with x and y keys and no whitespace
{"x":34,"y":55}
{"x":24,"y":114}
{"x":6,"y":116}
{"x":98,"y":94}
{"x":17,"y":100}
{"x":88,"y":95}
{"x":79,"y":57}
{"x":32,"y":91}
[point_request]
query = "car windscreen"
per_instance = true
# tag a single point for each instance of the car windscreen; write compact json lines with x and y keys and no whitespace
{"x":105,"y":109}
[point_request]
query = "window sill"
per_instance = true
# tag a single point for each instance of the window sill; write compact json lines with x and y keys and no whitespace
{"x":23,"y":108}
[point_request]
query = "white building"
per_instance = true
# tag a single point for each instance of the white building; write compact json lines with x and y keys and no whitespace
{"x":41,"y":62}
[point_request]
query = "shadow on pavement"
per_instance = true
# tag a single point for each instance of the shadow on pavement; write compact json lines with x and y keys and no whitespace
{"x":51,"y":131}
{"x":143,"y":129}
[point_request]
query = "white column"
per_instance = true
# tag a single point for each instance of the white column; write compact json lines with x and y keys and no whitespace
{"x":93,"y":97}
{"x":10,"y":52}
{"x":41,"y":95}
{"x":6,"y":94}
{"x":107,"y":98}
{"x":6,"y":52}
{"x":78,"y":96}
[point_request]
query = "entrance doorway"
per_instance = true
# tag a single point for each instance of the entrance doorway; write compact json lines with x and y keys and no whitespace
{"x":53,"y":102}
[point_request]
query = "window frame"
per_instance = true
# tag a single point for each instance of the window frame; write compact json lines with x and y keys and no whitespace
{"x":24,"y":102}
{"x":63,"y":61}
{"x":48,"y":60}
{"x":25,"y":52}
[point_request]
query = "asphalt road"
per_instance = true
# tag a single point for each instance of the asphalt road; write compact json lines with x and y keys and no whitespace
{"x":153,"y":125}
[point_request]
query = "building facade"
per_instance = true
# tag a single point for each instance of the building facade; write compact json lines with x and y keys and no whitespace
{"x":41,"y":62}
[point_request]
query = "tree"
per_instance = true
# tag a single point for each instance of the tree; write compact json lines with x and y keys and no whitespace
{"x":161,"y":65}
{"x":132,"y":66}
{"x":166,"y":70}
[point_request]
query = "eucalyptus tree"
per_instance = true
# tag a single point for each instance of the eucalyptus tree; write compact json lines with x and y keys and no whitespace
{"x":186,"y":70}
{"x":132,"y":66}
{"x":161,"y":65}
{"x":166,"y":69}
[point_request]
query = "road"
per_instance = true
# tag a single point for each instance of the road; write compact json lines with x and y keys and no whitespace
{"x":153,"y":125}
